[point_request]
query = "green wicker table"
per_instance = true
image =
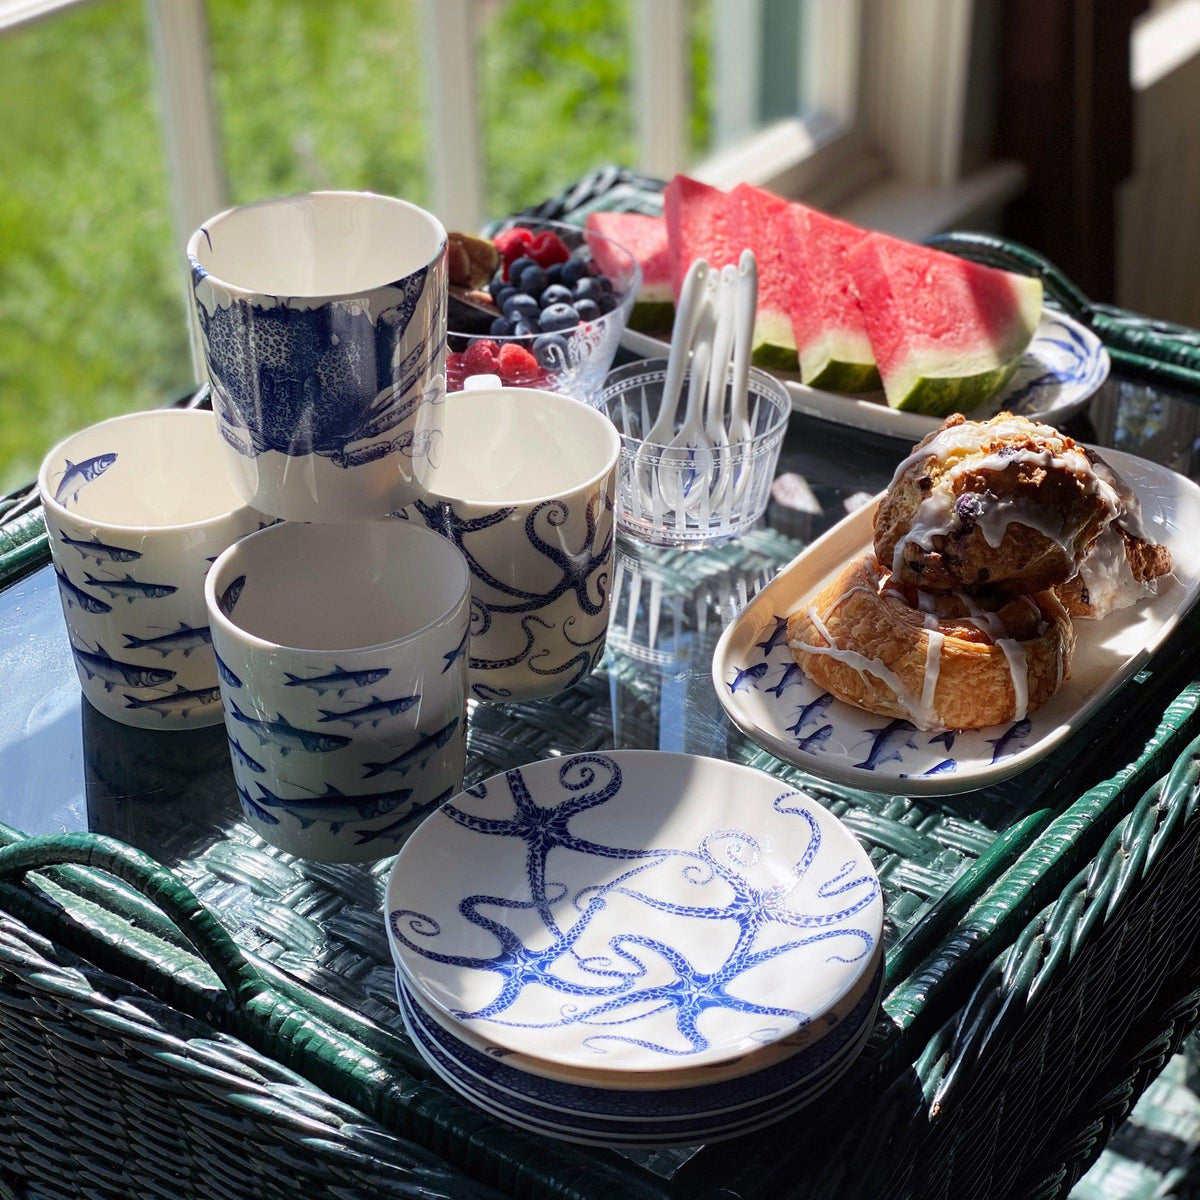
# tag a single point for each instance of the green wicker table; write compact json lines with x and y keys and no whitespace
{"x":224,"y":1024}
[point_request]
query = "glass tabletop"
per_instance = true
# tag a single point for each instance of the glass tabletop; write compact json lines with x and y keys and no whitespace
{"x":66,"y":767}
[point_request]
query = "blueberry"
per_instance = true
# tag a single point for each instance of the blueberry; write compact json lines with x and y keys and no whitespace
{"x":526,"y":328}
{"x":607,"y":302}
{"x":501,"y":327}
{"x":603,"y":283}
{"x":532,"y":280}
{"x":518,"y":265}
{"x":551,"y":351}
{"x":559,"y":317}
{"x":574,"y":269}
{"x":502,"y":296}
{"x":554,"y":272}
{"x":520,"y":306}
{"x":588,"y":289}
{"x":556,"y":293}
{"x":495,"y":288}
{"x":588,"y":310}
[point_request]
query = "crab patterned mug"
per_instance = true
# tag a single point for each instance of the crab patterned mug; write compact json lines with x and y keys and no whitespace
{"x":324,"y":326}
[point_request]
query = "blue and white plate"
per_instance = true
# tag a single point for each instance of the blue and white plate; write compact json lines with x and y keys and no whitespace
{"x":771,"y":700}
{"x":633,"y":911}
{"x":587,"y":1128}
{"x":1061,"y":370}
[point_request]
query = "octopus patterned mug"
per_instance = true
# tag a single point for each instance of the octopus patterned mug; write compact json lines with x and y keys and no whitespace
{"x":523,"y":484}
{"x":137,"y":508}
{"x":341,"y":654}
{"x":324,"y":325}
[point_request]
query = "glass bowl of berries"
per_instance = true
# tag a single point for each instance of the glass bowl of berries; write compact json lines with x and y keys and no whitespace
{"x":542,"y":304}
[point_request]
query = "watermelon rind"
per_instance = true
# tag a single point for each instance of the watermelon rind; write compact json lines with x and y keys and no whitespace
{"x":652,"y":316}
{"x":774,"y":344}
{"x":962,"y":382}
{"x":840,"y":362}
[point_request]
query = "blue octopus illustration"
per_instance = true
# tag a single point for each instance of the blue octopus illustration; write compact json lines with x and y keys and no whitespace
{"x":619,"y":989}
{"x":583,"y":572}
{"x":319,"y":380}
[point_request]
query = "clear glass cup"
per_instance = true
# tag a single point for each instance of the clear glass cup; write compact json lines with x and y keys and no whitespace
{"x":678,"y":496}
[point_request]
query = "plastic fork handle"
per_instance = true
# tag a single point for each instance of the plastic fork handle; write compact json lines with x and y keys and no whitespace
{"x":718,"y":377}
{"x":687,"y":315}
{"x":746,"y":309}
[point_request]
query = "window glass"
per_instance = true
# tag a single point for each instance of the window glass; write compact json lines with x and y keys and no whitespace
{"x":92,"y":317}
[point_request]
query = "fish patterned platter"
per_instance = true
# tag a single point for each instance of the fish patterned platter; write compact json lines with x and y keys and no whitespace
{"x":769,"y":698}
{"x":1061,"y":370}
{"x":633,"y":911}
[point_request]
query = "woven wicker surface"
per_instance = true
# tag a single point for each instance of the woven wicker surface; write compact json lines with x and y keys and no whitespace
{"x":962,"y":880}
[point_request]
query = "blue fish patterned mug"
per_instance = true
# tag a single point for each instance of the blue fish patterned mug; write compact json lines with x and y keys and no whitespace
{"x":324,"y":325}
{"x":524,"y":486}
{"x":137,"y":508}
{"x":341,"y":653}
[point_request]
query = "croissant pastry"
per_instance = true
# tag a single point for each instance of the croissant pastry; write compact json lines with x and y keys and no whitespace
{"x":1006,"y":502}
{"x":941,"y":661}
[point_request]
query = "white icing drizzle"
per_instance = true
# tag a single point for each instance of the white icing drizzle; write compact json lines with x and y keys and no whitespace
{"x":933,"y":666}
{"x":1107,"y":577}
{"x":1018,"y":670}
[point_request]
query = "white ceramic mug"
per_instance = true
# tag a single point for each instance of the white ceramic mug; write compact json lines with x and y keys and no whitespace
{"x":137,"y":509}
{"x":342,"y":655}
{"x":324,"y":324}
{"x":524,"y":485}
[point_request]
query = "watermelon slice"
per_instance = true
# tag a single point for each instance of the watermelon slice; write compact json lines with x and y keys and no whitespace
{"x":946,"y":333}
{"x":646,"y":239}
{"x":700,"y":224}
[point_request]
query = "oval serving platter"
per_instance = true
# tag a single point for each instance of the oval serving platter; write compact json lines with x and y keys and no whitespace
{"x":1061,"y":370}
{"x":769,"y":698}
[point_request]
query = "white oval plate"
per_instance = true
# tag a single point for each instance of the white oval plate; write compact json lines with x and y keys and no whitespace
{"x":634,"y":910}
{"x":769,"y":698}
{"x":1061,"y":370}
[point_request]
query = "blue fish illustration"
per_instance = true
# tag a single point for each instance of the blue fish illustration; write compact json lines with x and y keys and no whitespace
{"x":890,"y":743}
{"x":227,"y":600}
{"x":337,"y":680}
{"x":251,"y":806}
{"x":946,"y":767}
{"x":240,"y":755}
{"x":185,"y":639}
{"x":287,"y":736}
{"x":334,"y":806}
{"x":370,"y":714}
{"x":101,"y":551}
{"x":811,"y":743}
{"x":228,"y":678}
{"x":813,"y":711}
{"x":81,"y":473}
{"x":400,"y":829}
{"x":75,"y":596}
{"x":739,"y":683}
{"x":97,"y":664}
{"x":772,"y":640}
{"x":792,"y":675}
{"x":178,"y":703}
{"x":458,"y":650}
{"x":131,"y":588}
{"x":1006,"y":743}
{"x":946,"y":738}
{"x":418,"y":754}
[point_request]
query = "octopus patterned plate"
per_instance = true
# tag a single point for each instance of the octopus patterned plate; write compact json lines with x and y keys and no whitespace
{"x":633,"y":911}
{"x":769,"y":698}
{"x":1061,"y":370}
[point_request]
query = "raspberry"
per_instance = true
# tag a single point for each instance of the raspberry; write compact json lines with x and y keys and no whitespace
{"x":517,"y":365}
{"x":512,"y":244}
{"x":456,"y":371}
{"x":547,"y":248}
{"x":481,"y":357}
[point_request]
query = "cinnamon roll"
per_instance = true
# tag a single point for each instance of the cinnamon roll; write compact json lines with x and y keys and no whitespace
{"x":940,"y":660}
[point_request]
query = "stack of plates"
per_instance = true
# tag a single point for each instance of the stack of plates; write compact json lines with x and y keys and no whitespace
{"x":636,"y":948}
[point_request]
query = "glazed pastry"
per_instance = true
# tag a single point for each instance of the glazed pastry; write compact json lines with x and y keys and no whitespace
{"x":1124,"y":566}
{"x":1005,"y":502}
{"x":939,"y":660}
